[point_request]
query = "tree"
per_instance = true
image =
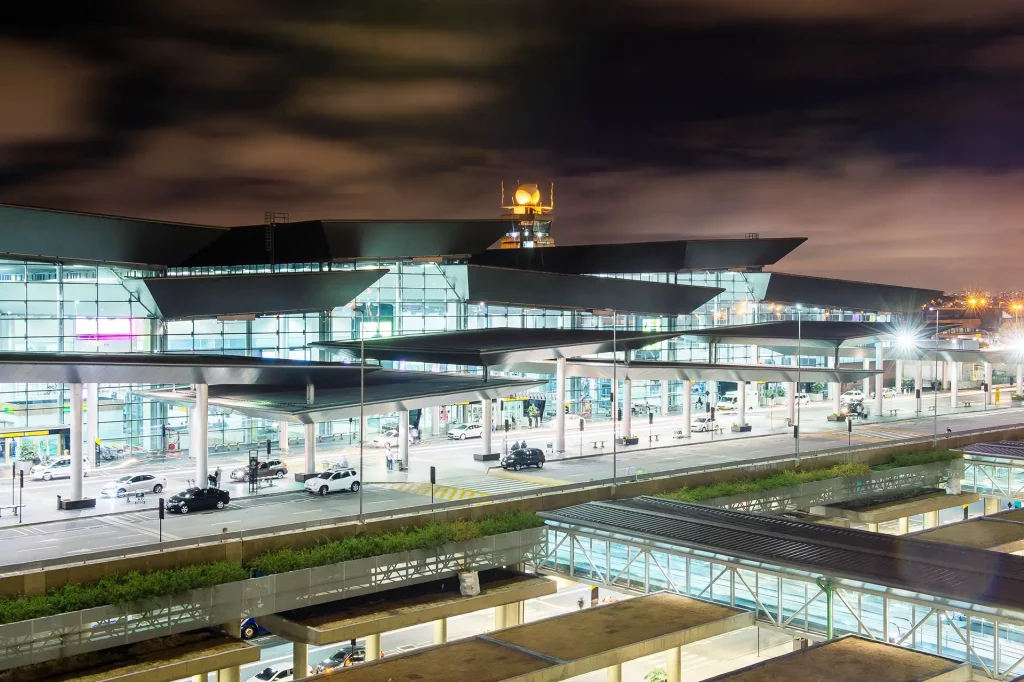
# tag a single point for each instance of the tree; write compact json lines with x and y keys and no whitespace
{"x":656,"y":676}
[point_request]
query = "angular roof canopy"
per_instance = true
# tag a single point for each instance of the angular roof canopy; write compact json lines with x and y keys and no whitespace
{"x":168,"y":368}
{"x":779,"y":287}
{"x":668,"y":256}
{"x":325,"y":240}
{"x":384,"y":391}
{"x":263,"y":294}
{"x":496,"y":346}
{"x":643,"y":370}
{"x":575,"y":292}
{"x":810,"y":333}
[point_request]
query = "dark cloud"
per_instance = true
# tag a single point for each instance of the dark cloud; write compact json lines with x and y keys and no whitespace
{"x":889,"y":132}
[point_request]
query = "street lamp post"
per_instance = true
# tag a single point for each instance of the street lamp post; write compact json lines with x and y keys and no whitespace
{"x":935,"y":409}
{"x":615,"y":397}
{"x":799,"y":336}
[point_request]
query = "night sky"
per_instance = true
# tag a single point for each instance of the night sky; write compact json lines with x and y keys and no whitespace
{"x":889,"y":132}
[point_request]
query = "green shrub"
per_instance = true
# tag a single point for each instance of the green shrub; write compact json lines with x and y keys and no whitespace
{"x":925,"y":457}
{"x":125,"y":588}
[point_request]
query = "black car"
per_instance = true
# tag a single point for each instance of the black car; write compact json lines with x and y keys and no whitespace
{"x":524,"y":457}
{"x":342,"y":658}
{"x":195,"y":499}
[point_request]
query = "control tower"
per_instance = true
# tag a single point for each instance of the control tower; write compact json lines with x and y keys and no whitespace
{"x":532,"y":219}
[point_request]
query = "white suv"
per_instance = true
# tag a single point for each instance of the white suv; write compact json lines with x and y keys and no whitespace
{"x":333,"y":481}
{"x":58,"y":468}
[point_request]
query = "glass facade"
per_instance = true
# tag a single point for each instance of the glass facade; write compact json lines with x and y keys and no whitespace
{"x":53,"y":307}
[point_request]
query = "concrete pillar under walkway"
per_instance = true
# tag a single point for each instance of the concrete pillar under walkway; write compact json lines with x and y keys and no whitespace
{"x":687,"y":407}
{"x":559,"y":407}
{"x":76,"y":442}
{"x":310,"y":446}
{"x":954,"y":383}
{"x":203,"y":677}
{"x":873,"y":527}
{"x":674,"y":666}
{"x":990,"y":396}
{"x":1020,"y":380}
{"x":931,"y":519}
{"x":791,"y":394}
{"x":197,"y":434}
{"x":232,"y":674}
{"x":879,"y":378}
{"x":918,"y":383}
{"x":514,"y":614}
{"x":904,"y":522}
{"x":372,"y":647}
{"x":615,"y":673}
{"x":866,"y":388}
{"x":991,"y":506}
{"x":300,"y":660}
{"x":282,"y":436}
{"x":899,"y":377}
{"x":834,"y":389}
{"x":440,"y":631}
{"x":664,"y":397}
{"x":500,"y":617}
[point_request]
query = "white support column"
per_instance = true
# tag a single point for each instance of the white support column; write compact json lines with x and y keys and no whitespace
{"x":499,"y":617}
{"x":904,"y":525}
{"x":513,"y":614}
{"x":835,"y":390}
{"x":93,"y":419}
{"x":300,"y":660}
{"x":560,"y":407}
{"x":879,"y":378}
{"x":867,"y":380}
{"x":931,"y":519}
{"x":741,"y":389}
{"x":674,"y":666}
{"x":991,"y":506}
{"x":614,"y":673}
{"x":918,"y":384}
{"x":899,"y":377}
{"x":615,"y":404}
{"x":310,"y":444}
{"x":372,"y":647}
{"x":687,"y":407}
{"x":873,"y":527}
{"x":403,"y":434}
{"x":627,"y":408}
{"x":664,"y":398}
{"x":202,"y":677}
{"x":76,"y":442}
{"x":232,"y":674}
{"x":197,"y":433}
{"x":990,"y":396}
{"x":282,"y":434}
{"x":440,"y":631}
{"x":791,"y":408}
{"x":1020,"y":379}
{"x":954,"y":383}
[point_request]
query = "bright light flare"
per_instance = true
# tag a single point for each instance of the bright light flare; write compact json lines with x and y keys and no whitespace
{"x":906,"y":341}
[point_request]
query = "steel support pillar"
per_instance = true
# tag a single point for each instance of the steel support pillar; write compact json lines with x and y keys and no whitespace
{"x":76,"y":442}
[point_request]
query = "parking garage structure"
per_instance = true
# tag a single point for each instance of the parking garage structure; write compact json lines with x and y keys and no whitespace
{"x":820,"y":581}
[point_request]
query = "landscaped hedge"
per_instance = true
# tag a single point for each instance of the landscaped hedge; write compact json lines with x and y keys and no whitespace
{"x":790,"y":478}
{"x":132,"y":587}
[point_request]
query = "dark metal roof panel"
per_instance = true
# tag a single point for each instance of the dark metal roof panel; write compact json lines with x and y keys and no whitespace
{"x":293,"y":292}
{"x":961,"y":573}
{"x":667,"y":256}
{"x":497,"y":346}
{"x":576,"y":292}
{"x":812,"y":333}
{"x":1003,"y":449}
{"x":69,"y":236}
{"x":841,"y":293}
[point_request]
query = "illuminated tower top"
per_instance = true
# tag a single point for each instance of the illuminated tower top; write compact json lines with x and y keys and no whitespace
{"x":532,"y":222}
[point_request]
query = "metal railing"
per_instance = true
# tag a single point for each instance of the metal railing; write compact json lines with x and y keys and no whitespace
{"x":758,"y":464}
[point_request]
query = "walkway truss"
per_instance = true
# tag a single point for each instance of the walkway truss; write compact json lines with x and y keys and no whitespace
{"x":991,"y":639}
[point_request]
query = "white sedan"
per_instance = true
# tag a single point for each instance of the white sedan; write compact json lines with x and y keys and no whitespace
{"x":388,"y":438}
{"x":335,"y":480}
{"x":135,"y":483}
{"x":466,"y":431}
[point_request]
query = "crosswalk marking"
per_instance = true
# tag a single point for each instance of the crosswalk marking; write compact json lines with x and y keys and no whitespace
{"x":464,"y":487}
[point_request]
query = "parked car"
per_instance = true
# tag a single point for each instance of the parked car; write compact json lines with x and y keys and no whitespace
{"x":729,"y":402}
{"x":273,"y":468}
{"x":464,"y":431}
{"x":58,"y":468}
{"x":196,"y":499}
{"x":333,"y":481}
{"x":523,"y":457}
{"x":134,"y":483}
{"x":702,"y":424}
{"x":855,"y":395}
{"x":272,"y":675}
{"x":801,"y":399}
{"x":889,"y":392}
{"x":389,"y":438}
{"x":250,"y":628}
{"x":343,"y":658}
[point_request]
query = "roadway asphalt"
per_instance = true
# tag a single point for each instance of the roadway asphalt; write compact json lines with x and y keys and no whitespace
{"x":100,"y":529}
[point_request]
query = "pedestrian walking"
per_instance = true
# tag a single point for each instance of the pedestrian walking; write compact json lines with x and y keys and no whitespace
{"x":390,"y":459}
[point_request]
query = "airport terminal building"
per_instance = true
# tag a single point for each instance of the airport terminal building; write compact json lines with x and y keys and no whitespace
{"x":82,"y":283}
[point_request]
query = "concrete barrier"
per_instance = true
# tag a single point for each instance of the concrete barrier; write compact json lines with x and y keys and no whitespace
{"x":39,"y":581}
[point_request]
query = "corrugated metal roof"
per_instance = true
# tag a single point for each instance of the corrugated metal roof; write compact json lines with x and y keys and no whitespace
{"x":971,"y":575}
{"x":1005,"y":448}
